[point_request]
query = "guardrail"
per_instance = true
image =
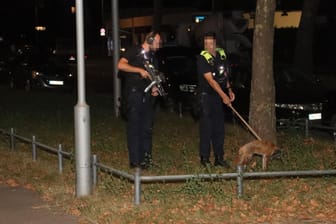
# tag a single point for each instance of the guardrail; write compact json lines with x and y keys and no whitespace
{"x":58,"y":151}
{"x":137,"y":179}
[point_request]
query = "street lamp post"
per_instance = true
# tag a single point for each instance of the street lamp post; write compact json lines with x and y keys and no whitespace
{"x":82,"y":115}
{"x":116,"y":54}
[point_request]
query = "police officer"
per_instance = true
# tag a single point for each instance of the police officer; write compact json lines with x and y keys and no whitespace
{"x":214,"y":92}
{"x":139,"y":104}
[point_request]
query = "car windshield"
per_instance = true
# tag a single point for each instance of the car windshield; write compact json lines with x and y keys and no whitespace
{"x":180,"y":65}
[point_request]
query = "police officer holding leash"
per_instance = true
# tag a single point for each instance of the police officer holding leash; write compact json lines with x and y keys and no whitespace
{"x":139,"y":103}
{"x":214,"y":92}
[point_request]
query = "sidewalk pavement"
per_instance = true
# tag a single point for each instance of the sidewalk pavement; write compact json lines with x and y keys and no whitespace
{"x":22,"y":206}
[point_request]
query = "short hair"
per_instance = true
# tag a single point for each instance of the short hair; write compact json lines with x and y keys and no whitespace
{"x":211,"y":35}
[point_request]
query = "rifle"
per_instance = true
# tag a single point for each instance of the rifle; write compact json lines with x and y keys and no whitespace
{"x":156,"y":78}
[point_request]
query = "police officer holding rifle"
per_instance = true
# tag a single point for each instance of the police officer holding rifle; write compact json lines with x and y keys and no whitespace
{"x":140,"y":96}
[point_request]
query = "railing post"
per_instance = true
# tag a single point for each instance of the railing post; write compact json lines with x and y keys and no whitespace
{"x":180,"y":110}
{"x":307,"y":128}
{"x":239,"y":181}
{"x":60,"y":159}
{"x":34,"y":148}
{"x":137,"y":186}
{"x":12,"y":143}
{"x":94,"y":170}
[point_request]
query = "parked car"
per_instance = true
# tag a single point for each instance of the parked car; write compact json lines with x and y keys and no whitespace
{"x":329,"y":111}
{"x":297,"y":95}
{"x":178,"y":64}
{"x":40,"y":71}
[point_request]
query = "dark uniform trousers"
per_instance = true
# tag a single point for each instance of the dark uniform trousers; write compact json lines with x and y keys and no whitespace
{"x":211,"y":126}
{"x":140,"y":112}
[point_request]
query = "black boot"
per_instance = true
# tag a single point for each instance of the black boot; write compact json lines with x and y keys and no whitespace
{"x":205,"y":161}
{"x":219,"y":161}
{"x":148,"y":161}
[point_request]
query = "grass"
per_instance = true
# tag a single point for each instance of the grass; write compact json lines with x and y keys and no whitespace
{"x":49,"y":116}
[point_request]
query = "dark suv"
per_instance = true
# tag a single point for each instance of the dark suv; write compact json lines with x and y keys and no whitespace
{"x":178,"y":64}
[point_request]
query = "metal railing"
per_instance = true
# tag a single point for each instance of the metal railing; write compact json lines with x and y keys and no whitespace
{"x":137,"y":179}
{"x":309,"y":126}
{"x":35,"y":145}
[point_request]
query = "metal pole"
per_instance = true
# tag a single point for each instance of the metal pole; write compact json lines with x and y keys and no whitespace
{"x":94,"y":170}
{"x":82,"y":115}
{"x":60,"y":159}
{"x":239,"y":181}
{"x":34,"y":148}
{"x":102,"y":14}
{"x":116,"y":55}
{"x":12,"y":143}
{"x":137,"y":187}
{"x":307,"y":128}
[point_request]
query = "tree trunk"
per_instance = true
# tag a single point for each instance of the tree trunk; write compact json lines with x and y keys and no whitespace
{"x":303,"y":55}
{"x":262,"y":99}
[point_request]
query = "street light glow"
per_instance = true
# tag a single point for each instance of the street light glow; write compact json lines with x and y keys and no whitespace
{"x":40,"y":28}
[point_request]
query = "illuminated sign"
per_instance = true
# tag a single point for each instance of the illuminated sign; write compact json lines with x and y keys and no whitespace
{"x":198,"y":19}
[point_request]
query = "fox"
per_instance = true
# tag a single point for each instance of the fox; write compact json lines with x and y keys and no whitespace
{"x":266,"y":149}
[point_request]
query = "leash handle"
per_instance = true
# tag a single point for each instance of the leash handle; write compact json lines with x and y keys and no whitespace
{"x":247,"y":125}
